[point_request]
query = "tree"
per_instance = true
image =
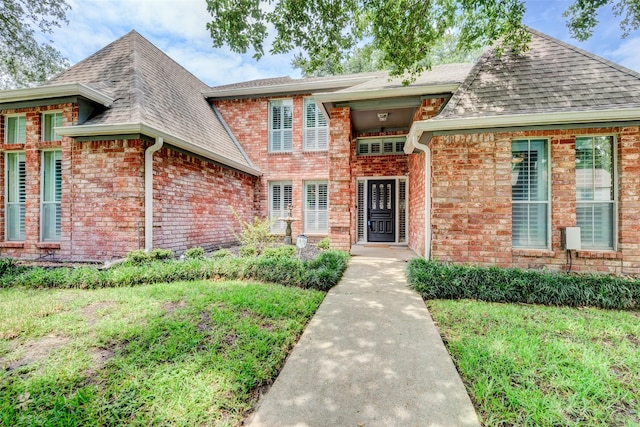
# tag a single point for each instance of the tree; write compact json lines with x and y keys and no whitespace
{"x":325,"y":34}
{"x":24,"y":60}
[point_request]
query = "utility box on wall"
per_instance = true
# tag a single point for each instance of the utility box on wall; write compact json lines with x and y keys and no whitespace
{"x":571,"y":238}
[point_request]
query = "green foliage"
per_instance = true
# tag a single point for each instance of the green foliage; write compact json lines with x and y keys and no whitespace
{"x":221,"y":253}
{"x":194,"y":253}
{"x":324,"y":244}
{"x":24,"y":59}
{"x":256,"y":233}
{"x":248,"y":250}
{"x":140,"y":256}
{"x":434,"y":280}
{"x":583,"y":16}
{"x":287,"y":251}
{"x":7,"y":265}
{"x":277,"y":266}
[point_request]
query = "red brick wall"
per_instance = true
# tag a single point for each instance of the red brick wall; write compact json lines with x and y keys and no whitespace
{"x":471,"y":201}
{"x":341,"y":205}
{"x":193,"y":202}
{"x":248,"y":120}
{"x":417,"y":182}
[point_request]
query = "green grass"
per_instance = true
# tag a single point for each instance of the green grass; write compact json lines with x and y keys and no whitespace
{"x":530,"y":365}
{"x":184,"y":353}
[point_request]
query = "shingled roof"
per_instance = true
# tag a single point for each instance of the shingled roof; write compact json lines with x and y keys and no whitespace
{"x":552,"y":76}
{"x":151,"y":89}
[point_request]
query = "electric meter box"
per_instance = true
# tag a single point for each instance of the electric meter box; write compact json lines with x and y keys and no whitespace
{"x":571,"y":238}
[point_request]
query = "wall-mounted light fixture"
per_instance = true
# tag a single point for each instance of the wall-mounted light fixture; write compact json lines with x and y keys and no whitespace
{"x":383,"y":116}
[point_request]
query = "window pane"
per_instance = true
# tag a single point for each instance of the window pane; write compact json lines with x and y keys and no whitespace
{"x":51,"y":120}
{"x":51,"y":195}
{"x":280,"y":199}
{"x":529,"y":193}
{"x":596,"y":225}
{"x":280,"y":125}
{"x":315,"y":127}
{"x":16,"y":130}
{"x":15,"y":196}
{"x":315,"y":208}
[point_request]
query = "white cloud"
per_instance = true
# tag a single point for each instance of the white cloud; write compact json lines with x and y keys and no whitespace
{"x":628,"y":53}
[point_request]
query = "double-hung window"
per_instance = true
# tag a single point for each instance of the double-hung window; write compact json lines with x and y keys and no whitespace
{"x":280,"y":197}
{"x":530,"y":193}
{"x":595,"y":191}
{"x":316,"y":217}
{"x":49,"y":122}
{"x":51,"y":195}
{"x":281,"y":125}
{"x":316,"y":130}
{"x":15,"y":195}
{"x":15,"y":129}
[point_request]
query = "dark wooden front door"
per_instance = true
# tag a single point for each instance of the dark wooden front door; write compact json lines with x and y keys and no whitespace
{"x":381,"y":212}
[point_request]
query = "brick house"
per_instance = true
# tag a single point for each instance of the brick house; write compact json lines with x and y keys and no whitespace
{"x":483,"y":164}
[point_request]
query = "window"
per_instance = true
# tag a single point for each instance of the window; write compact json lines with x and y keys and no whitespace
{"x":316,"y":131}
{"x":595,"y":191}
{"x":15,"y":129}
{"x":530,"y":193}
{"x":50,"y":121}
{"x":316,"y":217}
{"x":381,"y":146}
{"x":15,"y":195}
{"x":281,"y":125}
{"x":51,"y":192}
{"x":279,"y":199}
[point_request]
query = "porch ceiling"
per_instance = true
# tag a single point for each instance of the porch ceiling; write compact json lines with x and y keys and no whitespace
{"x":368,"y":121}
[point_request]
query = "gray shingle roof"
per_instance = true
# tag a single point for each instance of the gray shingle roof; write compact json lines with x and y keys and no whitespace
{"x":551,"y":76}
{"x":437,"y":75}
{"x":152,"y":89}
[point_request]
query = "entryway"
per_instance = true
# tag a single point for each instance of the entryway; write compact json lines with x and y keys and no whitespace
{"x":382,"y":210}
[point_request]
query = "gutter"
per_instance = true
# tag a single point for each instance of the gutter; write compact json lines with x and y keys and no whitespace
{"x":148,"y":193}
{"x":423,"y":130}
{"x":133,"y":128}
{"x":56,"y":91}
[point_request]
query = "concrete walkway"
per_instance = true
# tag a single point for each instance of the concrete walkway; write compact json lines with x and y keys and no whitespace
{"x":371,"y":356}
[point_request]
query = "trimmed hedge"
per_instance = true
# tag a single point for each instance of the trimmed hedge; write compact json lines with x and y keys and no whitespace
{"x":435,"y":280}
{"x":322,"y":273}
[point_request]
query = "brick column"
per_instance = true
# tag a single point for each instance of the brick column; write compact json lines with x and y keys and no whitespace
{"x":340,"y":179}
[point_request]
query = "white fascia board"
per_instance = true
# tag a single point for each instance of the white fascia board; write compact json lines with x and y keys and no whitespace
{"x":56,"y":91}
{"x":129,"y":128}
{"x":519,"y":120}
{"x":345,"y":96}
{"x":295,"y":86}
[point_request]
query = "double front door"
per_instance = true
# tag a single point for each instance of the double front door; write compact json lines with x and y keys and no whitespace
{"x":381,"y":210}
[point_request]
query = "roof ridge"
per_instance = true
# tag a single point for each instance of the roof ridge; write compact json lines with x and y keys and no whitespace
{"x":588,"y":54}
{"x":136,"y":88}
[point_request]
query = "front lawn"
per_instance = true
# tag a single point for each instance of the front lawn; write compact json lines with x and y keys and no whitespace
{"x":183,"y":353}
{"x":530,"y":365}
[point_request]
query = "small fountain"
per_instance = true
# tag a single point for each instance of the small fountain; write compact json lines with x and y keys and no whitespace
{"x":289,"y":219}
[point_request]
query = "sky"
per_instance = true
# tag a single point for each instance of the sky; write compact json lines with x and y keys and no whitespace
{"x":178,"y":27}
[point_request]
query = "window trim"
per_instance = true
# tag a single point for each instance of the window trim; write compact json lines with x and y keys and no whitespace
{"x":42,"y":201}
{"x":277,"y":227}
{"x":6,"y":195}
{"x":369,"y":141}
{"x":614,"y":179}
{"x":304,"y":206}
{"x":306,"y":101}
{"x":43,"y":135}
{"x":6,"y":128}
{"x":283,"y":102}
{"x":549,"y":201}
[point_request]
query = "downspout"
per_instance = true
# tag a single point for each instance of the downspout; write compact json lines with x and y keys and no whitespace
{"x":148,"y":193}
{"x":427,"y":195}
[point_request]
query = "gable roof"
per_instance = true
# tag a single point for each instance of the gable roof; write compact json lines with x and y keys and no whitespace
{"x":552,"y":76}
{"x":552,"y":83}
{"x":154,"y":94}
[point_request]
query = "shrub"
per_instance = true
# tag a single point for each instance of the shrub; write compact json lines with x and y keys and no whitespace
{"x":324,"y":244}
{"x":7,"y":266}
{"x":435,"y":280}
{"x":194,"y":253}
{"x":137,"y":257}
{"x":221,"y":253}
{"x":248,"y":250}
{"x":160,"y":254}
{"x":286,"y":251}
{"x":256,"y":233}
